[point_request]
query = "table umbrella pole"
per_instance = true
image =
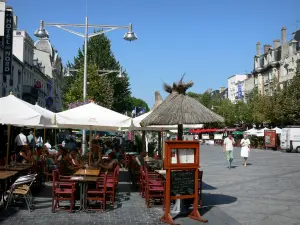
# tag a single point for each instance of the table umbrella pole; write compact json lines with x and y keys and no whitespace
{"x":8,"y":144}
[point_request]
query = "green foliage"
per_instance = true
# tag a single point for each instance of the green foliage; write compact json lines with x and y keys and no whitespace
{"x":99,"y":88}
{"x":282,"y":108}
{"x":137,"y":102}
{"x":100,"y":57}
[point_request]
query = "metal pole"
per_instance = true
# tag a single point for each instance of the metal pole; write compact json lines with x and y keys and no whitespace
{"x":85,"y":80}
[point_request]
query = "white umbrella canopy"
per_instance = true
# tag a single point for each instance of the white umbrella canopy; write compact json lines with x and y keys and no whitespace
{"x":278,"y":130}
{"x":251,"y":131}
{"x":50,"y":116}
{"x":261,"y":133}
{"x":92,"y":116}
{"x":14,"y":111}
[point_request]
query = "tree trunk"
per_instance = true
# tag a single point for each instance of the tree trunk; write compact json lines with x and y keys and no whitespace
{"x":144,"y":141}
{"x":180,"y":132}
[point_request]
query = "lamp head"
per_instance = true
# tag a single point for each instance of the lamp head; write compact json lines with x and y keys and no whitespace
{"x":130,"y":35}
{"x":41,"y":32}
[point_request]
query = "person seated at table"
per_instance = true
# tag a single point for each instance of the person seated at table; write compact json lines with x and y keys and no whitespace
{"x":24,"y":156}
{"x":109,"y":164}
{"x":119,"y":154}
{"x":107,"y":149}
{"x":76,"y":162}
{"x":95,"y":155}
{"x":65,"y":166}
{"x":59,"y":153}
{"x":48,"y":159}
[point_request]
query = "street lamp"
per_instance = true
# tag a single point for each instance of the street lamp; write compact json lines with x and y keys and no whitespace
{"x":68,"y":73}
{"x":42,"y":33}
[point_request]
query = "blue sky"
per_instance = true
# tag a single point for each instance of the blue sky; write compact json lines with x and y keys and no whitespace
{"x":207,"y":40}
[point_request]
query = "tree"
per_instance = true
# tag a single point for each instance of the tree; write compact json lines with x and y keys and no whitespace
{"x":204,"y":98}
{"x":292,"y":100}
{"x":99,"y":88}
{"x":101,"y":57}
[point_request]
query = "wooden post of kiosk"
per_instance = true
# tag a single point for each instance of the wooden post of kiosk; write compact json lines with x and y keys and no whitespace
{"x":181,"y":163}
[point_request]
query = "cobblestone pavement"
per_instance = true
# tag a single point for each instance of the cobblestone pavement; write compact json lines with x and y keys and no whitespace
{"x":265,"y":192}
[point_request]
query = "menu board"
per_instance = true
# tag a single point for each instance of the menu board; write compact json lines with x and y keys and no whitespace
{"x":270,"y":138}
{"x":182,"y":182}
{"x":183,"y":156}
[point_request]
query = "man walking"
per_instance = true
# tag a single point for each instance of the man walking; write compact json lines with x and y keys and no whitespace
{"x":20,"y":141}
{"x":228,"y":149}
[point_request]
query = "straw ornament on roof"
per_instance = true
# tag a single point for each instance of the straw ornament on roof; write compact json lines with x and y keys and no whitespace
{"x":158,"y":100}
{"x":178,"y":108}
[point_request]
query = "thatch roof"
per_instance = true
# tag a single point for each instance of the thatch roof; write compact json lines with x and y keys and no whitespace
{"x":178,"y":108}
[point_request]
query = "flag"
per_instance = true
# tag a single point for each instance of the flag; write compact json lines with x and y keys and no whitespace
{"x":133,"y":113}
{"x":142,"y":111}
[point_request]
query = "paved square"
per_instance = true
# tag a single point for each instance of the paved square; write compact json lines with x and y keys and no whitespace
{"x":265,"y":192}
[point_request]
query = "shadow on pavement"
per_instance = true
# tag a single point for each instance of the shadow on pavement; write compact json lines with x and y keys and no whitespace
{"x":217,"y":199}
{"x":209,"y":201}
{"x":5,"y":214}
{"x":206,"y":186}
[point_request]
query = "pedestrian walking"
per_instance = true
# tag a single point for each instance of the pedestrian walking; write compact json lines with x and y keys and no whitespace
{"x":20,"y":141}
{"x":245,"y":143}
{"x":228,"y":149}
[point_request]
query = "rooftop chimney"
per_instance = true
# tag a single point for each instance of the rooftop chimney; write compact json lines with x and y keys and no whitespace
{"x":283,"y":35}
{"x":276,"y":43}
{"x":258,"y":48}
{"x":267,"y":47}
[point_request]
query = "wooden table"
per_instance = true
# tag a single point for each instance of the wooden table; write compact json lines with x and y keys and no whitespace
{"x":7,"y":174}
{"x":4,"y":176}
{"x":16,"y":168}
{"x":87,"y":172}
{"x":84,"y":179}
{"x":161,"y":172}
{"x":83,"y":176}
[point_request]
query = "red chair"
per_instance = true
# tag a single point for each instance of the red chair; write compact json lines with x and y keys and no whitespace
{"x":126,"y":160}
{"x":112,"y":185}
{"x":62,"y":191}
{"x":155,"y":188}
{"x":142,"y":182}
{"x":98,"y":194}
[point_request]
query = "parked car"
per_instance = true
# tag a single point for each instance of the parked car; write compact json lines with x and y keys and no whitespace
{"x":290,"y":139}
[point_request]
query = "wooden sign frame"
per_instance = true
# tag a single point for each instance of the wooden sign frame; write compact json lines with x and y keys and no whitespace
{"x":174,"y":163}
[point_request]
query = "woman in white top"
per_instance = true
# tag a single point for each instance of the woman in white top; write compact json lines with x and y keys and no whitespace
{"x":245,"y":143}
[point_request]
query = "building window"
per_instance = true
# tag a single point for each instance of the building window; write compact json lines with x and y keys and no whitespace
{"x":19,"y":77}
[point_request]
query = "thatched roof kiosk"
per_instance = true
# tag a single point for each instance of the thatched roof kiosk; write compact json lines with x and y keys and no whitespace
{"x":178,"y":109}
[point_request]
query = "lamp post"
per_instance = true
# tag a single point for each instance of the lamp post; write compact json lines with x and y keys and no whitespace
{"x":100,"y":72}
{"x":42,"y":33}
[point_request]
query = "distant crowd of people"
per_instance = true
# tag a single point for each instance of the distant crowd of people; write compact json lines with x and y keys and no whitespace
{"x":68,"y":157}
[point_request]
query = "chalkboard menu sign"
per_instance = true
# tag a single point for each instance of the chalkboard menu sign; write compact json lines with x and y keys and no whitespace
{"x":182,"y":182}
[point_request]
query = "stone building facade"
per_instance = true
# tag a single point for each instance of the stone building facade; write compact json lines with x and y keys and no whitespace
{"x":37,"y":70}
{"x":277,"y":64}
